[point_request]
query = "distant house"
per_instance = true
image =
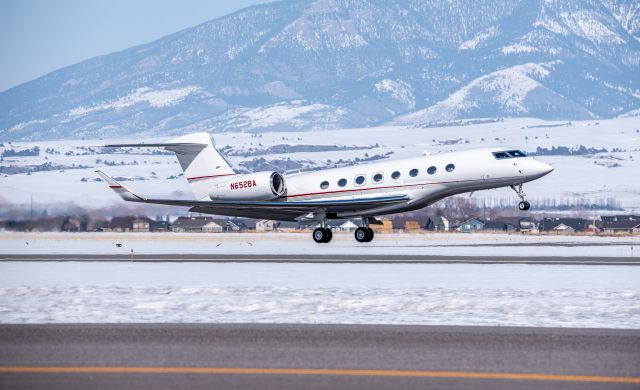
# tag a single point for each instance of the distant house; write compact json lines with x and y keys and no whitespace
{"x":471,"y":225}
{"x":190,"y":224}
{"x":500,"y":226}
{"x":411,"y":225}
{"x":563,"y":225}
{"x":287,"y":226}
{"x":120,"y":224}
{"x":159,"y":226}
{"x":213,"y":227}
{"x":141,"y":224}
{"x":343,"y":225}
{"x":619,"y":224}
{"x":437,"y":223}
{"x":266,"y":225}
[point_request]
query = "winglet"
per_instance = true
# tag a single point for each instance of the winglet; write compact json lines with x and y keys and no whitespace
{"x":119,"y":188}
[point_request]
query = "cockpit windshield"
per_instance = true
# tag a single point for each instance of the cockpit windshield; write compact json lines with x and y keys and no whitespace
{"x":509,"y":154}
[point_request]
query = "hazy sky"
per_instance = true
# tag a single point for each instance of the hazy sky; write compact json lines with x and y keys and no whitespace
{"x":39,"y":36}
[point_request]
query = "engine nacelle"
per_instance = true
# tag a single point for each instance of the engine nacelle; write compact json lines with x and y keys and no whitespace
{"x":253,"y":186}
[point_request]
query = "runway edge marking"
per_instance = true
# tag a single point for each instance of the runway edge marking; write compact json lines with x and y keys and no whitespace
{"x":311,"y":371}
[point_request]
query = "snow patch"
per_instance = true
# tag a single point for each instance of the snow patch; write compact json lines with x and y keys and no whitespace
{"x":481,"y":37}
{"x":398,"y":90}
{"x":155,"y":98}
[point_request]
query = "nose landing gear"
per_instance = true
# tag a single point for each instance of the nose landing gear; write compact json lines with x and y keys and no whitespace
{"x":523,"y":205}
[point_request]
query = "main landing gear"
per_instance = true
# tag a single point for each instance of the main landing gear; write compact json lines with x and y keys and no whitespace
{"x":322,"y":234}
{"x":364,"y":233}
{"x":523,"y":205}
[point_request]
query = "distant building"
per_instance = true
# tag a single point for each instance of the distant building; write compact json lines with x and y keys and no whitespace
{"x":159,"y":225}
{"x":500,"y":226}
{"x":190,"y":224}
{"x":141,"y":224}
{"x":471,"y":225}
{"x":563,"y":225}
{"x":619,"y":224}
{"x":120,"y":224}
{"x":266,"y":225}
{"x":213,"y":227}
{"x":343,"y":225}
{"x":436,"y":223}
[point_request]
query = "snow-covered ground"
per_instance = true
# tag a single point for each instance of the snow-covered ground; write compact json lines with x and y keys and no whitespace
{"x":500,"y":295}
{"x":343,"y":243}
{"x":593,"y":177}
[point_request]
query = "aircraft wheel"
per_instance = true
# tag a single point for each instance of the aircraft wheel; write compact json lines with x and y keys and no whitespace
{"x":362,"y":234}
{"x":370,"y":234}
{"x":328,"y":235}
{"x":320,"y":235}
{"x":524,"y":205}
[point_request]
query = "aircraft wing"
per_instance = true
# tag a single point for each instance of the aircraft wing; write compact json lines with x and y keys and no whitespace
{"x":282,"y":210}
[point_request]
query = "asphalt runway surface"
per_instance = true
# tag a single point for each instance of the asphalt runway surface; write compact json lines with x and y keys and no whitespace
{"x":237,"y":356}
{"x":301,"y":258}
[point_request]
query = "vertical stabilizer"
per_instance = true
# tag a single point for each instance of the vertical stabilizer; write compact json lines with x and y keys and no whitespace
{"x":201,"y":162}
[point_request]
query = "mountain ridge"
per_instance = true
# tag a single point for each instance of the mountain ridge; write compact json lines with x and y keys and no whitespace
{"x":304,"y":65}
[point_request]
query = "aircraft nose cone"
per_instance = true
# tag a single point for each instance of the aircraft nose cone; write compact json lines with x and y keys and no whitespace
{"x":540,"y":169}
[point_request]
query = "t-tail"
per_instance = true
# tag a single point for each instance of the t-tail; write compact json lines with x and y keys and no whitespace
{"x":200,"y":160}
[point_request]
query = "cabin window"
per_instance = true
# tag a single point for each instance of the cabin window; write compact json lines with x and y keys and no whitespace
{"x":342,"y":182}
{"x":450,"y":167}
{"x":324,"y":185}
{"x":360,"y":180}
{"x":413,"y":172}
{"x":377,"y":178}
{"x":395,"y":175}
{"x":431,"y":170}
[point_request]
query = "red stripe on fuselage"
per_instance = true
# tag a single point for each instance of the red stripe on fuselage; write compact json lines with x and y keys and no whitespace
{"x":115,"y":186}
{"x":208,"y":177}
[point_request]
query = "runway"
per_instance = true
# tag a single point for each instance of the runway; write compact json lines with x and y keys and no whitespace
{"x":322,"y":259}
{"x":236,"y":356}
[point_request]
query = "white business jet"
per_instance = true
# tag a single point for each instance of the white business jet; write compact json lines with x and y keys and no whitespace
{"x":365,"y":190}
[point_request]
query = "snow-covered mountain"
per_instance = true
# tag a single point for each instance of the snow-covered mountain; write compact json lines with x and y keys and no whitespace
{"x":304,"y":65}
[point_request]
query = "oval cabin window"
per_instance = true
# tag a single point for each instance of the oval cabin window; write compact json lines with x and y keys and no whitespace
{"x":342,"y":182}
{"x":377,"y":177}
{"x":450,"y":167}
{"x":324,"y":185}
{"x":413,"y":172}
{"x":360,"y":180}
{"x":395,"y":175}
{"x":432,"y":170}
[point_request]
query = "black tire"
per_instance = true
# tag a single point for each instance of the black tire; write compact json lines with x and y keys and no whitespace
{"x":328,"y":236}
{"x":524,"y":206}
{"x":370,"y":234}
{"x":319,"y":235}
{"x":361,"y":234}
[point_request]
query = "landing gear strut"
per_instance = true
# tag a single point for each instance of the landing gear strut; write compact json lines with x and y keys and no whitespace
{"x":364,"y":233}
{"x":523,"y":205}
{"x":322,"y":234}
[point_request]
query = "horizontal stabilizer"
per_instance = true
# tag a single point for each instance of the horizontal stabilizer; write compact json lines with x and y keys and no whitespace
{"x":119,"y":189}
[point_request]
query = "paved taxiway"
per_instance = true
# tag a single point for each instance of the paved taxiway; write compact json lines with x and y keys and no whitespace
{"x":300,"y":258}
{"x":131,"y":356}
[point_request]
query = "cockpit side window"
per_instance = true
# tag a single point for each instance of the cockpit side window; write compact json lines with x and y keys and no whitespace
{"x":509,"y":154}
{"x":500,"y":155}
{"x":517,"y":153}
